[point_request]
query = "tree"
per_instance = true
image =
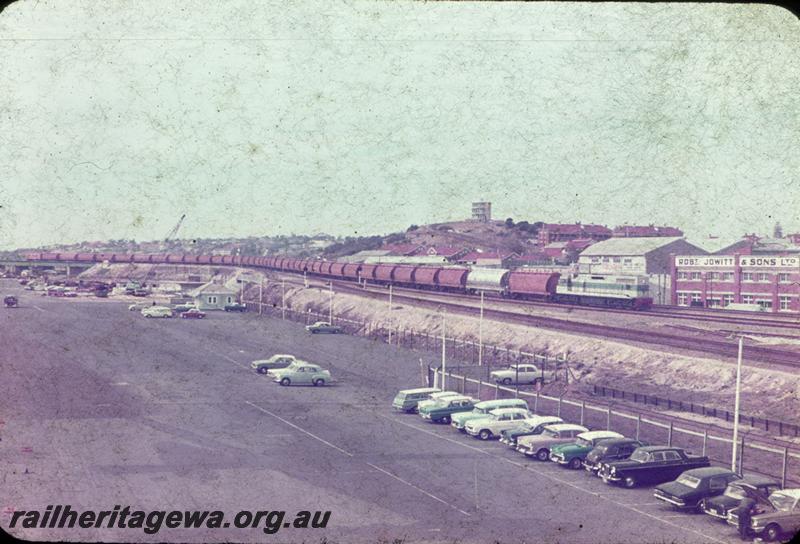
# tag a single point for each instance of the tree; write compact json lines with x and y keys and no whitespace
{"x":509,"y":223}
{"x":777,"y":232}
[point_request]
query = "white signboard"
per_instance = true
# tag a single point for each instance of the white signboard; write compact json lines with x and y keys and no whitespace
{"x":706,"y":261}
{"x":769,"y":261}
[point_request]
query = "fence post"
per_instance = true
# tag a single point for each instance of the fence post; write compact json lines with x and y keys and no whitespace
{"x":669,"y":436}
{"x":536,"y":404}
{"x":480,"y":386}
{"x":638,"y":424}
{"x":705,"y":441}
{"x":496,"y":390}
{"x":464,"y":383}
{"x":785,"y":463}
{"x":558,"y":413}
{"x":741,"y":456}
{"x":583,"y":409}
{"x":608,"y":418}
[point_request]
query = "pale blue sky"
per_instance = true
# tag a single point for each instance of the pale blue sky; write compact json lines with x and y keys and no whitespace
{"x":365,"y":117}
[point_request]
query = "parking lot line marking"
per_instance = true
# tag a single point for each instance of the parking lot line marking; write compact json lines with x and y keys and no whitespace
{"x":531,"y":468}
{"x":234,"y":361}
{"x":35,"y":306}
{"x":289,"y":423}
{"x":434,"y":497}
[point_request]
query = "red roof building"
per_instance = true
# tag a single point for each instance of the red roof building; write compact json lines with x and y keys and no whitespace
{"x":402,"y":249}
{"x":563,"y":232}
{"x":448,"y":252}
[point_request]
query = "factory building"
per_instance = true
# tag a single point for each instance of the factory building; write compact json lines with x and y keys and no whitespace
{"x":649,"y":256}
{"x":768,"y":281}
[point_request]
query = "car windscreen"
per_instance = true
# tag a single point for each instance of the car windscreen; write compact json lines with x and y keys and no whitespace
{"x":640,"y":456}
{"x":689,"y":481}
{"x":734,"y":492}
{"x":552,"y":434}
{"x":781,"y":501}
{"x":582,"y":442}
{"x":601,"y":450}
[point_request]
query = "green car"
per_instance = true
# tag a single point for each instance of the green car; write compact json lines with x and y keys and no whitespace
{"x":573,"y":454}
{"x":407,"y":399}
{"x":483,"y":408}
{"x":446,"y":408}
{"x":301,"y":373}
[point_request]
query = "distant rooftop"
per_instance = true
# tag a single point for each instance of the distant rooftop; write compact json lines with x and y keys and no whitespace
{"x":628,"y":246}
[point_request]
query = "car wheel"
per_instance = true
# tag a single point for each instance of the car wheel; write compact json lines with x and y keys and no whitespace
{"x":506,"y":381}
{"x":575,"y":463}
{"x":313,"y":331}
{"x":773,"y":532}
{"x":543,"y":454}
{"x":318,"y":382}
{"x":485,"y":434}
{"x":629,"y":482}
{"x":446,"y":419}
{"x":263,"y":370}
{"x":286,"y":381}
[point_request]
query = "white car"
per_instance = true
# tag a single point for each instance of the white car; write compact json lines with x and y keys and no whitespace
{"x":522,"y":373}
{"x":138,"y":306}
{"x":433,"y":398}
{"x":538,"y":445}
{"x":157,"y":311}
{"x":498,"y":421}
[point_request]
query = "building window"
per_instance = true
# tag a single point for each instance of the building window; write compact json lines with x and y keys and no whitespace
{"x":696,"y":276}
{"x":766,"y":304}
{"x":747,"y":276}
{"x":683,"y":299}
{"x":606,"y":259}
{"x":783,"y":278}
{"x":727,"y":276}
{"x":748,"y":299}
{"x":627,"y":261}
{"x":212,"y":300}
{"x":696,"y":299}
{"x":785,"y":302}
{"x":683,"y":276}
{"x":713,"y":302}
{"x":727,"y":299}
{"x":229,"y":300}
{"x":617,"y":259}
{"x":762,"y":276}
{"x":711,"y":275}
{"x":595,"y":260}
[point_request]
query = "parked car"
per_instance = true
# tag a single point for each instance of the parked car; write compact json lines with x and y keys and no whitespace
{"x":301,"y":374}
{"x":235,"y":307}
{"x":531,"y":426}
{"x":277,"y":361}
{"x":522,"y":374}
{"x":180,"y":308}
{"x":434,"y":397}
{"x":497,"y":421}
{"x":324,"y":327}
{"x":10,"y":302}
{"x":407,"y":400}
{"x":690,"y":488}
{"x":610,"y":450}
{"x":572,"y":454}
{"x":157,"y":311}
{"x":483,"y":408}
{"x":194,"y":313}
{"x":779,"y":517}
{"x":650,"y":465}
{"x":754,"y":486}
{"x":138,"y":306}
{"x":539,"y":445}
{"x":140,"y":292}
{"x":445,"y":409}
{"x":70,"y":293}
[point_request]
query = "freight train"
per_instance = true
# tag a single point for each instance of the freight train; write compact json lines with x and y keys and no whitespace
{"x":591,"y":290}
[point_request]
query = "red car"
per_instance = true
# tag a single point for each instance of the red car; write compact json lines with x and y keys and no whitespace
{"x":194,"y":313}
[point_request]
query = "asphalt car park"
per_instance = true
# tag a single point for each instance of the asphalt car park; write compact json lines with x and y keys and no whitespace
{"x":102,"y":407}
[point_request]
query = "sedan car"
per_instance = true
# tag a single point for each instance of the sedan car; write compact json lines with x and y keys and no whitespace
{"x":180,"y":308}
{"x":496,"y":422}
{"x":235,"y":307}
{"x":324,"y":327}
{"x":754,"y":486}
{"x":572,"y":454}
{"x":302,"y":374}
{"x":690,"y":488}
{"x":539,"y":445}
{"x":528,"y":427}
{"x":780,"y":517}
{"x":194,"y":313}
{"x":277,"y":361}
{"x":138,"y":306}
{"x":157,"y":311}
{"x":610,"y":450}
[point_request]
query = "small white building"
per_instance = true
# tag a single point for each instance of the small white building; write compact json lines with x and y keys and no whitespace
{"x":213,"y":296}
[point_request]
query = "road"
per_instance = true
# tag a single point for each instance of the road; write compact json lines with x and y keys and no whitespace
{"x":103,"y":407}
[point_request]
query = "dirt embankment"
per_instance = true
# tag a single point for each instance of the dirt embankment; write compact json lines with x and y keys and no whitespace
{"x":765,"y":393}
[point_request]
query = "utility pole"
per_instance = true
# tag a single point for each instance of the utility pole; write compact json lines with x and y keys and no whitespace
{"x":283,"y":299}
{"x":444,"y":354}
{"x":390,"y":314}
{"x":305,"y":279}
{"x":261,"y":297}
{"x":480,"y":334}
{"x":736,"y":406}
{"x":330,"y":307}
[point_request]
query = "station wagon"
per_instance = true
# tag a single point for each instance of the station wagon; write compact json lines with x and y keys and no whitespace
{"x":406,"y":400}
{"x":483,"y":408}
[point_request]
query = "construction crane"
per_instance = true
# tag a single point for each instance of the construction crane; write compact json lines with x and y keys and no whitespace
{"x":169,"y":237}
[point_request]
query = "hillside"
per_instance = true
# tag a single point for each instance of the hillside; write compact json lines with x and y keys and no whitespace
{"x":494,"y":236}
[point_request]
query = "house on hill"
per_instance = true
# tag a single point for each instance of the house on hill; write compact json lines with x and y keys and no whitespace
{"x":213,"y":296}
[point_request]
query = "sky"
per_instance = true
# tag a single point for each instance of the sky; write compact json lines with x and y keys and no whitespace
{"x":359,"y":117}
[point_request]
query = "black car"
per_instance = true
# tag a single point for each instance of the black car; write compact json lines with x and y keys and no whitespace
{"x":613,"y":449}
{"x":753,"y":485}
{"x":690,"y":488}
{"x":236,"y":307}
{"x":650,"y":465}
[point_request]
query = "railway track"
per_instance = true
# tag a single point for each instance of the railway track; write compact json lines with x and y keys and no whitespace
{"x":719,"y":348}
